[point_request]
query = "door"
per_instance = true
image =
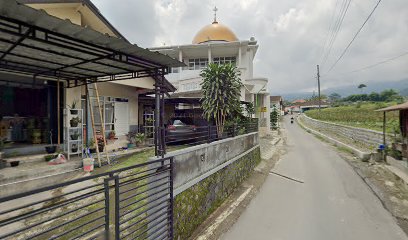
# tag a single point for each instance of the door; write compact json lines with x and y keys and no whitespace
{"x":121,"y":118}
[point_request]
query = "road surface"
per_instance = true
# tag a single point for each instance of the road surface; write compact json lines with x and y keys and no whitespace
{"x":333,"y":203}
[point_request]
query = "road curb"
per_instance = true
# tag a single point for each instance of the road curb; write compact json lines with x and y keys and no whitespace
{"x":360,"y":154}
{"x":371,"y":185}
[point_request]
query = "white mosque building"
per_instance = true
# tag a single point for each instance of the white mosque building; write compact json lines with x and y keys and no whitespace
{"x":216,"y":43}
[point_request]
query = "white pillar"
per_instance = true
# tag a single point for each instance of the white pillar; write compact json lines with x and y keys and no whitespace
{"x":267,"y":104}
{"x":239,"y":56}
{"x":180,"y":59}
{"x":209,"y":54}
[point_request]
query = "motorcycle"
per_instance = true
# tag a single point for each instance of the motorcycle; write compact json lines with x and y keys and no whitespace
{"x":291,"y":120}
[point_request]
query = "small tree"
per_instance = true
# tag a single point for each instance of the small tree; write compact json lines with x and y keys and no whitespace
{"x":221,"y":89}
{"x":274,"y":116}
{"x":361,"y":86}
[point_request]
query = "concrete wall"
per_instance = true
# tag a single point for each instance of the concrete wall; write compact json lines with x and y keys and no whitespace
{"x":205,"y":175}
{"x":368,"y":138}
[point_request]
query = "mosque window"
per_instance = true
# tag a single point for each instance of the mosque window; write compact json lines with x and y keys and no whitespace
{"x":225,"y":60}
{"x":197,"y":63}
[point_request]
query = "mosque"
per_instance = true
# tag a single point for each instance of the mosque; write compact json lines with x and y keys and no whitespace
{"x":217,"y":43}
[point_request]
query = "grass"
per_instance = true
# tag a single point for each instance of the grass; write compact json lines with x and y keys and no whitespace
{"x":134,"y":159}
{"x":362,"y":115}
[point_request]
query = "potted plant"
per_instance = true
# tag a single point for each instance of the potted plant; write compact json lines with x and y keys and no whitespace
{"x":74,"y":121}
{"x":75,"y":136}
{"x":100,"y":144}
{"x":91,"y":146}
{"x":15,"y":162}
{"x":149,"y":121}
{"x":131,"y":136}
{"x":74,"y":148}
{"x":48,"y":158}
{"x":140,"y":138}
{"x":52,"y":148}
{"x":73,"y":107}
{"x":112,"y":135}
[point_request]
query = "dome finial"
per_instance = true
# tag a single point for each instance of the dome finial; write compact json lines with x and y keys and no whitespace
{"x":215,"y":14}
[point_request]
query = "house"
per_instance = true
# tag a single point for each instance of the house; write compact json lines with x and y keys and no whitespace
{"x":312,"y":104}
{"x":299,"y":101}
{"x":217,"y":43}
{"x":41,"y":74}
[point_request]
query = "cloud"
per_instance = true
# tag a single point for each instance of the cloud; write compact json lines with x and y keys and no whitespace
{"x":290,"y":33}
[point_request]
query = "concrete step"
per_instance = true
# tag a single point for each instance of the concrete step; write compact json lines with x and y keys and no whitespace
{"x":33,"y":170}
{"x":27,"y":158}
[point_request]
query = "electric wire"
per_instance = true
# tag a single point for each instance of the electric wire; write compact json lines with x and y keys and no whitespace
{"x":339,"y":24}
{"x":334,"y":29}
{"x":323,"y":50}
{"x":355,"y":36}
{"x":376,"y":64}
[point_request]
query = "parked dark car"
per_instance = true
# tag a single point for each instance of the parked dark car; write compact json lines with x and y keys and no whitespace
{"x":181,"y":129}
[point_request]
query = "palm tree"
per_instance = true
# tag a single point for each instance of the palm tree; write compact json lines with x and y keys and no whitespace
{"x":221,"y":89}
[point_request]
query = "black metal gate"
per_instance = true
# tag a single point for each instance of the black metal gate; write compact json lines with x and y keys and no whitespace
{"x":129,"y":203}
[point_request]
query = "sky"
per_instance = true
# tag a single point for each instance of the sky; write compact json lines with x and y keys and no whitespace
{"x":293,"y":35}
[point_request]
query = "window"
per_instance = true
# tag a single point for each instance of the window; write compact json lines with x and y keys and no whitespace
{"x":225,"y":60}
{"x":197,"y":63}
{"x":174,"y":70}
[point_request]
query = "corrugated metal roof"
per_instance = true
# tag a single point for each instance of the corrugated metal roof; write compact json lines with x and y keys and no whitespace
{"x":402,"y":106}
{"x":57,"y":44}
{"x":90,"y":5}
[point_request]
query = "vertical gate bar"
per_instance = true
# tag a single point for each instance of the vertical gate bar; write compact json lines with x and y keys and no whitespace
{"x":106,"y":188}
{"x":156,"y":117}
{"x":117,"y":210}
{"x":171,"y":217}
{"x":209,"y":134}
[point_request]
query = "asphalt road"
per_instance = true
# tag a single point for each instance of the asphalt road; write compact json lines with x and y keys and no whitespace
{"x":332,"y":203}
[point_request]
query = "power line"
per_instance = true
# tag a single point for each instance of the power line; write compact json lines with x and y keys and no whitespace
{"x":329,"y":31}
{"x":376,"y":64}
{"x":334,"y":29}
{"x":355,"y":36}
{"x":337,"y":28}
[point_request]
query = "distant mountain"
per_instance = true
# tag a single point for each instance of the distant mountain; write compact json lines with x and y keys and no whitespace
{"x":404,"y":92}
{"x":400,"y":86}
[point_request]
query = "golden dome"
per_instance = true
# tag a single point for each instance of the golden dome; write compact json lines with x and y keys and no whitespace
{"x":215,"y":32}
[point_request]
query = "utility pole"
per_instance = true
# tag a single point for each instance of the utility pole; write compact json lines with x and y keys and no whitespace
{"x":318,"y":85}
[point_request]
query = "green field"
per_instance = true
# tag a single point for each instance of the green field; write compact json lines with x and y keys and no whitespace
{"x":361,"y":115}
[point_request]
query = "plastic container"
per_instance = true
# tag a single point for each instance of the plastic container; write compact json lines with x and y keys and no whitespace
{"x":88,"y":164}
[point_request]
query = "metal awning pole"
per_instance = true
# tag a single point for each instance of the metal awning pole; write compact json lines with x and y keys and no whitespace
{"x":156,"y":119}
{"x":58,"y":113}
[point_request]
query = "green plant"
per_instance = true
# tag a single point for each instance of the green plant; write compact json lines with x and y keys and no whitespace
{"x":249,"y":109}
{"x":221,"y":89}
{"x":131,"y":136}
{"x":274,"y":117}
{"x":74,"y":104}
{"x":75,"y":121}
{"x":75,"y":136}
{"x":140,"y":137}
{"x":149,"y":121}
{"x":91,"y":143}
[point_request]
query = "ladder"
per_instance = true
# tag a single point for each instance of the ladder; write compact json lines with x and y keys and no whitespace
{"x":94,"y":101}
